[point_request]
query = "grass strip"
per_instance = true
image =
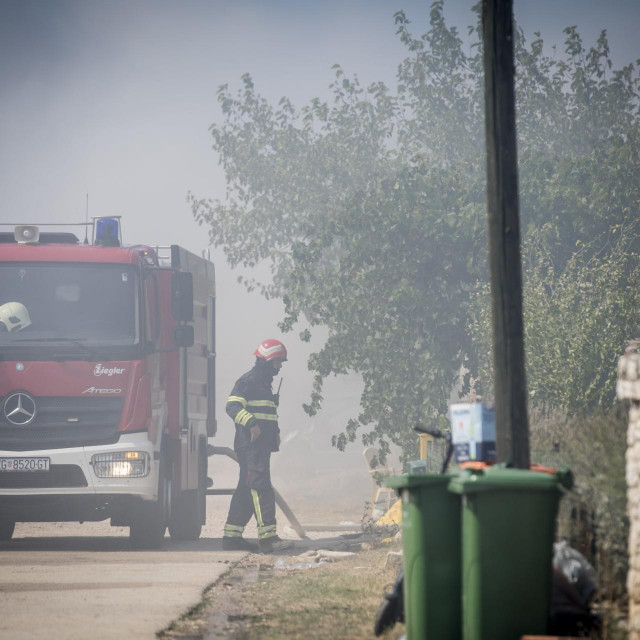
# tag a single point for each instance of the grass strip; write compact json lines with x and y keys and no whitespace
{"x":337,"y":600}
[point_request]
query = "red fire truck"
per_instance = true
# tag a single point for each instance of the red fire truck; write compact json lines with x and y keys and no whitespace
{"x":107,"y":378}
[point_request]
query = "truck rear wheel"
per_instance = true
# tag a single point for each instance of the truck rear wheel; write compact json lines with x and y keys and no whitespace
{"x":6,"y":530}
{"x":149,"y":521}
{"x":189,"y":510}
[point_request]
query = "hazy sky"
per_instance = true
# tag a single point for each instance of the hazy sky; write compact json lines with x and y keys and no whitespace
{"x":114,"y":98}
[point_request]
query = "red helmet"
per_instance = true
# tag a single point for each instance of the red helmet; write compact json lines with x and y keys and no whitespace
{"x":270,"y":349}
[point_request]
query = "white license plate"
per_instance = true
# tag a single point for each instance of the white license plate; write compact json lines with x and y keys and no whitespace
{"x":24,"y":464}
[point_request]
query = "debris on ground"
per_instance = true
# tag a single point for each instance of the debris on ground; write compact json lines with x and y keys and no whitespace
{"x":311,"y":559}
{"x":393,"y":561}
{"x":393,"y":516}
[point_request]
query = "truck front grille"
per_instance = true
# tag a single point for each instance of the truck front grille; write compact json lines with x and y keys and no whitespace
{"x":59,"y":475}
{"x":62,"y":422}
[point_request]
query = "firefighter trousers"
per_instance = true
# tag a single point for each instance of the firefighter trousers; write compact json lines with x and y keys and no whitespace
{"x":254,"y":494}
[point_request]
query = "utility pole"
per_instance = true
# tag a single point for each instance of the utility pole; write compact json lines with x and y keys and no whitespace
{"x":512,"y":427}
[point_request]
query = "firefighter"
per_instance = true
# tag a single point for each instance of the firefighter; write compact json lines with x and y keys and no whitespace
{"x":253,"y":408}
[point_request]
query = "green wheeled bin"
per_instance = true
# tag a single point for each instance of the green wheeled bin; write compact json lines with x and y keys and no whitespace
{"x":431,"y":550}
{"x":508,"y":527}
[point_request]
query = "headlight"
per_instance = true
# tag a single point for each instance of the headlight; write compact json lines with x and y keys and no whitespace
{"x":126,"y":464}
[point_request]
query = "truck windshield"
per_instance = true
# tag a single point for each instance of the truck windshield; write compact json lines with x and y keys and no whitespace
{"x":82,"y":305}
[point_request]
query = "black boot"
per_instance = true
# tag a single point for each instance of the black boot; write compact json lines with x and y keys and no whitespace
{"x":274,"y":544}
{"x":238,"y":544}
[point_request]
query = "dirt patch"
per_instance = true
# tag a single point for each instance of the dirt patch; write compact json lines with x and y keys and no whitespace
{"x":273,"y":597}
{"x":223,"y":613}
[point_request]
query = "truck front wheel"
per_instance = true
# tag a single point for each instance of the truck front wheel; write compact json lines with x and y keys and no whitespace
{"x":149,"y":520}
{"x":6,"y":530}
{"x":189,"y":509}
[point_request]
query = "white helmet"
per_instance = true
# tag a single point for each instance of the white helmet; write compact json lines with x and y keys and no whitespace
{"x":15,"y":316}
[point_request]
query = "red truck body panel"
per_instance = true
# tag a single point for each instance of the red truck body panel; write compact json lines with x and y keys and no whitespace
{"x":72,"y":253}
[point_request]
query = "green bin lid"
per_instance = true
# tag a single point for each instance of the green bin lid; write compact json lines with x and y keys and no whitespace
{"x":417,"y":480}
{"x":502,"y":479}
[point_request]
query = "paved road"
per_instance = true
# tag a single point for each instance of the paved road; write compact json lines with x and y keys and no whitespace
{"x":74,"y":581}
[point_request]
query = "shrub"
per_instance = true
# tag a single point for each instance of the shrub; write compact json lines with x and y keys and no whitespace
{"x":593,"y":448}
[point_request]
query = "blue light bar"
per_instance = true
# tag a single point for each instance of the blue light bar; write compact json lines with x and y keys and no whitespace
{"x":107,"y":232}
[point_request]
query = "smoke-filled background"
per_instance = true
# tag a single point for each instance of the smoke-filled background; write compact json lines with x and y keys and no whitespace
{"x":114,"y":99}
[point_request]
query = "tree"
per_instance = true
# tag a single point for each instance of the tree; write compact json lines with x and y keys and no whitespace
{"x":577,"y":323}
{"x":371,"y":213}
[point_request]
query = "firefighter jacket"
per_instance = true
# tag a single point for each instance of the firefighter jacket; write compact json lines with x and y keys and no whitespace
{"x":253,"y":403}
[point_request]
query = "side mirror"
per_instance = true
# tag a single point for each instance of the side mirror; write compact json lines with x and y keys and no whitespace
{"x":183,"y":336}
{"x":182,"y":296}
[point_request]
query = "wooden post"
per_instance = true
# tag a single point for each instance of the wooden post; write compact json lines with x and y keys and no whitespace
{"x":512,"y":428}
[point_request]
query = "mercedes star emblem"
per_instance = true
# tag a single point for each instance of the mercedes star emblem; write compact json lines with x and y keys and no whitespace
{"x":20,"y":408}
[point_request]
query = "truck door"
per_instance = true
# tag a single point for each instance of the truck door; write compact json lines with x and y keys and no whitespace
{"x":155,"y":358}
{"x":175,"y":336}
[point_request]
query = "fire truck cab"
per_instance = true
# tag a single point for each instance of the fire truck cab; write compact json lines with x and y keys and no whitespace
{"x":107,"y":378}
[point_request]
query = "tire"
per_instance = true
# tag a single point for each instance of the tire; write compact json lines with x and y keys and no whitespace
{"x":149,"y":521}
{"x":6,"y":530}
{"x":190,"y":507}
